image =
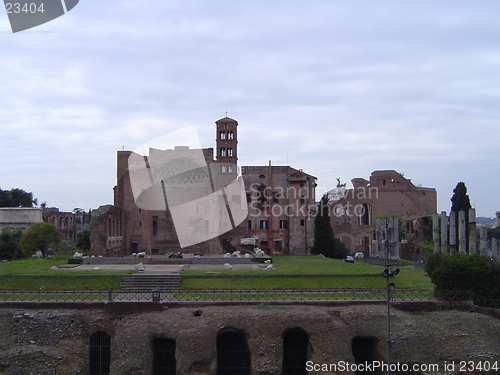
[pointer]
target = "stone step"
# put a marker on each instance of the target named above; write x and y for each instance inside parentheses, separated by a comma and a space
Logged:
(149, 285)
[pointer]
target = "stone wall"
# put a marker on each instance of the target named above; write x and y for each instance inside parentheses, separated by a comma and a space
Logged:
(16, 218)
(54, 339)
(63, 221)
(106, 231)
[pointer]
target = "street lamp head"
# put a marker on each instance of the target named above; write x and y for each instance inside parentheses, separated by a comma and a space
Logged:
(395, 272)
(385, 273)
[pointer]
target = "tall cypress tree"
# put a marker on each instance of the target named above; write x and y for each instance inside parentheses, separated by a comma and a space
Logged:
(460, 202)
(323, 232)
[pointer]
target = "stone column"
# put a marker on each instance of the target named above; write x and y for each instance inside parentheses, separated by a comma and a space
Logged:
(453, 232)
(395, 239)
(483, 241)
(472, 231)
(444, 233)
(435, 232)
(462, 236)
(379, 235)
(389, 238)
(495, 249)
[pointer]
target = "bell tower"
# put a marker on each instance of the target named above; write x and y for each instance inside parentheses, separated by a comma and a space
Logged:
(227, 140)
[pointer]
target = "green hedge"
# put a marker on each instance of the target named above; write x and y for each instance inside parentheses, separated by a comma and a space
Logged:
(473, 272)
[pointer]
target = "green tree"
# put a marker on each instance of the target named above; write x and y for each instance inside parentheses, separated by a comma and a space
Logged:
(65, 246)
(325, 242)
(460, 202)
(464, 272)
(83, 239)
(341, 250)
(9, 244)
(494, 233)
(38, 238)
(16, 198)
(79, 215)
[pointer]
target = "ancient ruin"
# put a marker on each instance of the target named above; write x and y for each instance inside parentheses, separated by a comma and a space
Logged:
(454, 233)
(127, 338)
(387, 193)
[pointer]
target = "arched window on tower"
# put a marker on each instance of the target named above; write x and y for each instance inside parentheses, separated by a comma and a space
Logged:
(222, 152)
(100, 353)
(222, 135)
(230, 134)
(230, 152)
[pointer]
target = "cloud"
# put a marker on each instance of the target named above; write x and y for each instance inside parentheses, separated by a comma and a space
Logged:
(338, 89)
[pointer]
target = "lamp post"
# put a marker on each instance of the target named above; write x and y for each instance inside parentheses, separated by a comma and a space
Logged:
(388, 236)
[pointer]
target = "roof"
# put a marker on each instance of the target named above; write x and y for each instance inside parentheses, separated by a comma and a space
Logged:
(226, 119)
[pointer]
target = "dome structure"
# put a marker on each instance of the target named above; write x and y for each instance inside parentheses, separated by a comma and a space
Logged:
(182, 171)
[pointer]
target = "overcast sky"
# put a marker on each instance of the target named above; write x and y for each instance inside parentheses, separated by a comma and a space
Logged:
(336, 88)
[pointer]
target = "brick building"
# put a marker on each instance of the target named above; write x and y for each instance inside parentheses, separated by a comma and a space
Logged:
(387, 193)
(142, 217)
(281, 205)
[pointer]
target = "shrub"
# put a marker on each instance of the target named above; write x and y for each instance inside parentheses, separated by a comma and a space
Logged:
(465, 272)
(63, 247)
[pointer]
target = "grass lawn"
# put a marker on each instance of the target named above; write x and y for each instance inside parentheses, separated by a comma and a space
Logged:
(409, 277)
(297, 264)
(41, 266)
(46, 283)
(35, 274)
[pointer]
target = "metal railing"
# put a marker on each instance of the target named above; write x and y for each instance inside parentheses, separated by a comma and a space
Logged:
(467, 295)
(55, 296)
(300, 295)
(232, 295)
(244, 295)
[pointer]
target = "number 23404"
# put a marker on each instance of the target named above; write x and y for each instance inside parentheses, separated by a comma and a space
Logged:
(27, 8)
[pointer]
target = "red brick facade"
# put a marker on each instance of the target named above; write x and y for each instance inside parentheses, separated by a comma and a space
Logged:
(387, 193)
(135, 229)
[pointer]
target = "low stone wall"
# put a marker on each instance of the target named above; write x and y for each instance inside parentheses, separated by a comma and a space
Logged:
(53, 338)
